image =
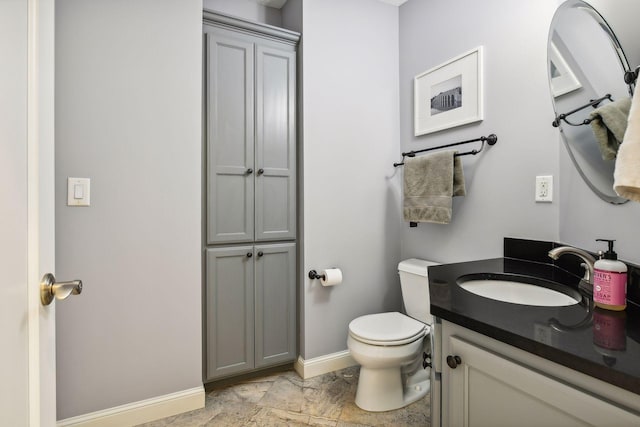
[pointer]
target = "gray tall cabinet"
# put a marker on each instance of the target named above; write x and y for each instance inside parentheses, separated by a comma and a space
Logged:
(250, 213)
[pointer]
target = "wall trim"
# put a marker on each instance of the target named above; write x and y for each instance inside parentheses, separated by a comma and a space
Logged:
(323, 364)
(142, 411)
(223, 20)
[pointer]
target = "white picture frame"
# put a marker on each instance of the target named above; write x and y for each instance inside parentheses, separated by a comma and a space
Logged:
(449, 94)
(563, 79)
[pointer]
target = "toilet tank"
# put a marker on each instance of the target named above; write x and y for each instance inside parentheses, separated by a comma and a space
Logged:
(414, 282)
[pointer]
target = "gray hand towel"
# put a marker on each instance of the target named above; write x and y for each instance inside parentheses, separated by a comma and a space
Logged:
(430, 182)
(609, 123)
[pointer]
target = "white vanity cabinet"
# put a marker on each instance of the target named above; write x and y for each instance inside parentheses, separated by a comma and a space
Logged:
(488, 383)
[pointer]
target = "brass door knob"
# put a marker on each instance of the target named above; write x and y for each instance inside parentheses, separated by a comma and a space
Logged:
(49, 289)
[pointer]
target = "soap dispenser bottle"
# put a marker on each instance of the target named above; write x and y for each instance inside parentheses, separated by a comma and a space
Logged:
(610, 280)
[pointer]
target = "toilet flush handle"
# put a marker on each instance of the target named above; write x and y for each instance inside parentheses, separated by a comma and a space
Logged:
(426, 360)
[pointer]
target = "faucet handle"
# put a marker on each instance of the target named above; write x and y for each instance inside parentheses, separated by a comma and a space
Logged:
(586, 283)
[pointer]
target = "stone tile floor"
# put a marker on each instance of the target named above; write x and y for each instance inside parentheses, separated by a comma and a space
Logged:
(285, 399)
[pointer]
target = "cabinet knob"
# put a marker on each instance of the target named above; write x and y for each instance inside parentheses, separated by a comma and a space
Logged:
(249, 171)
(453, 361)
(260, 171)
(249, 254)
(260, 254)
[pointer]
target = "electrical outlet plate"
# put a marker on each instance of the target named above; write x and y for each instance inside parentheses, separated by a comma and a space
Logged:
(544, 188)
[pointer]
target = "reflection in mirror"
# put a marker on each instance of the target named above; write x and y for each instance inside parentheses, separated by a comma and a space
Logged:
(586, 75)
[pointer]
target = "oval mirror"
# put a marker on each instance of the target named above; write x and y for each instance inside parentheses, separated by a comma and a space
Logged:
(586, 74)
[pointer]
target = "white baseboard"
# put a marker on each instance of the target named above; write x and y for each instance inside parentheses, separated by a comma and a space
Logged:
(323, 364)
(142, 411)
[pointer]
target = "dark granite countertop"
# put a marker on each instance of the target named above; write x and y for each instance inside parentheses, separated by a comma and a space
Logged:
(600, 343)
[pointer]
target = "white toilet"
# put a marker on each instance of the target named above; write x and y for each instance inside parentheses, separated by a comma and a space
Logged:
(389, 346)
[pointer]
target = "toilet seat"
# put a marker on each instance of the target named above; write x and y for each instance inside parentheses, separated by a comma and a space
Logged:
(387, 329)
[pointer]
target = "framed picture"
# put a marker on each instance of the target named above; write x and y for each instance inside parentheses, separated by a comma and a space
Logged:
(563, 80)
(449, 95)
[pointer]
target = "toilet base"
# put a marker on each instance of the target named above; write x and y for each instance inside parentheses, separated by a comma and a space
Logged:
(383, 389)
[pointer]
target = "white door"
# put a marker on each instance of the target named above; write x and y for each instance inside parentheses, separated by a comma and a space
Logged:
(27, 329)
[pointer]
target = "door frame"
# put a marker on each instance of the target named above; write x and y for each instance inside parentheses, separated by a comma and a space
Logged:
(40, 208)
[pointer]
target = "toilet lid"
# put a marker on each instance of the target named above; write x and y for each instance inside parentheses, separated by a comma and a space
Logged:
(387, 329)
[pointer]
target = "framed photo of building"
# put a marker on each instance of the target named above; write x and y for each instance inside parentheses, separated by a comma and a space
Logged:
(563, 80)
(449, 95)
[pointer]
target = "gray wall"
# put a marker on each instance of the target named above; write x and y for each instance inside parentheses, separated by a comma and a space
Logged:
(351, 198)
(292, 18)
(500, 181)
(128, 116)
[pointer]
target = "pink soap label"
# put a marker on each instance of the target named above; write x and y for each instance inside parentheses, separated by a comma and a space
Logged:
(609, 287)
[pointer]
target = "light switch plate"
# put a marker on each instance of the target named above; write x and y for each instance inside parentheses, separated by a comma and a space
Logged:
(78, 191)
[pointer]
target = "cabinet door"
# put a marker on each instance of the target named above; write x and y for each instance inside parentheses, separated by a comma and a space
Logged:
(275, 268)
(229, 139)
(486, 389)
(229, 311)
(275, 144)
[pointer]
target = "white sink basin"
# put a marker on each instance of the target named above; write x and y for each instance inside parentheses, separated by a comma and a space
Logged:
(517, 291)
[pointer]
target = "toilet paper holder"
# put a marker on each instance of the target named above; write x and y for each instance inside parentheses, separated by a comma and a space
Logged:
(314, 275)
(328, 277)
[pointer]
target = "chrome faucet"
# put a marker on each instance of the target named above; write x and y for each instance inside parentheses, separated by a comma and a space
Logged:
(586, 283)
